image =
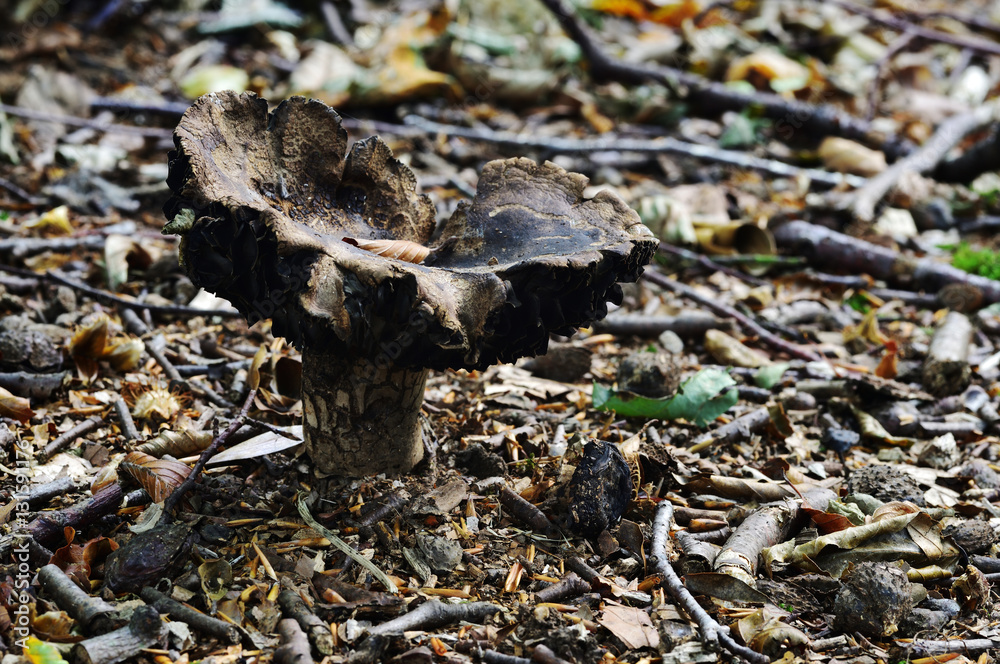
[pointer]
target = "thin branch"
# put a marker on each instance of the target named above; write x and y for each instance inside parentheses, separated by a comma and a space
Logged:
(21, 193)
(335, 25)
(125, 419)
(895, 47)
(969, 42)
(710, 264)
(930, 154)
(67, 438)
(102, 295)
(109, 127)
(188, 483)
(749, 326)
(822, 119)
(435, 613)
(712, 633)
(663, 145)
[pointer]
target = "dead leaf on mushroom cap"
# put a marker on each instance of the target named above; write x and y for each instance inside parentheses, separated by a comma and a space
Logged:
(272, 197)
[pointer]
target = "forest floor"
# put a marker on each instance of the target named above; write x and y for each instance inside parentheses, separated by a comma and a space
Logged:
(782, 445)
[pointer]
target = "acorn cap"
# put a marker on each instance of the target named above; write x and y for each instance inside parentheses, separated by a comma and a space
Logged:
(272, 216)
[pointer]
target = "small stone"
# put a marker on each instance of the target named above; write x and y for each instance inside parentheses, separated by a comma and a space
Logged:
(671, 342)
(981, 473)
(649, 374)
(840, 440)
(941, 453)
(800, 401)
(442, 554)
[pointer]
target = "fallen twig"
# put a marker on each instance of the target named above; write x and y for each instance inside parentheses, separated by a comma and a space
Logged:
(318, 631)
(710, 264)
(739, 428)
(717, 97)
(47, 527)
(895, 47)
(570, 586)
(823, 247)
(65, 439)
(164, 310)
(21, 193)
(334, 24)
(108, 127)
(687, 324)
(294, 648)
(946, 369)
(93, 613)
(662, 145)
(144, 630)
(40, 494)
(219, 629)
(527, 513)
(749, 326)
(434, 613)
(924, 159)
(932, 648)
(20, 247)
(178, 493)
(125, 420)
(969, 42)
(712, 633)
(982, 157)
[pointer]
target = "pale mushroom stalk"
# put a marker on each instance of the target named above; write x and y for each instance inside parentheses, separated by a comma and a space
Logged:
(335, 247)
(361, 414)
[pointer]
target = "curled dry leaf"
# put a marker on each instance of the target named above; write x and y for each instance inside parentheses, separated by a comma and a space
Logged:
(176, 443)
(159, 477)
(845, 156)
(15, 407)
(87, 345)
(125, 355)
(258, 360)
(90, 339)
(403, 250)
(105, 477)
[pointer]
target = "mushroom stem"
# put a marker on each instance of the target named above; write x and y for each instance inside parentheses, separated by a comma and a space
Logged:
(361, 417)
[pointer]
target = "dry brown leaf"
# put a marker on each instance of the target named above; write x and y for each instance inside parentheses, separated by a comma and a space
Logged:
(125, 355)
(106, 476)
(159, 477)
(176, 443)
(89, 340)
(844, 156)
(403, 250)
(730, 351)
(18, 408)
(769, 65)
(258, 360)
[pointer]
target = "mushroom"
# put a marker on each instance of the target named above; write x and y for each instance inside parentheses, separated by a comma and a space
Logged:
(276, 220)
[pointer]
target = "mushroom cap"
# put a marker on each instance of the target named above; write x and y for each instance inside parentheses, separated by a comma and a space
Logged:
(264, 203)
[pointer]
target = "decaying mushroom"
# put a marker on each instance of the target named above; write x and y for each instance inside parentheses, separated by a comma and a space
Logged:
(277, 221)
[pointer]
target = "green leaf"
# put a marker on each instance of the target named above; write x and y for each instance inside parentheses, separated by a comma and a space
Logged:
(767, 377)
(699, 399)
